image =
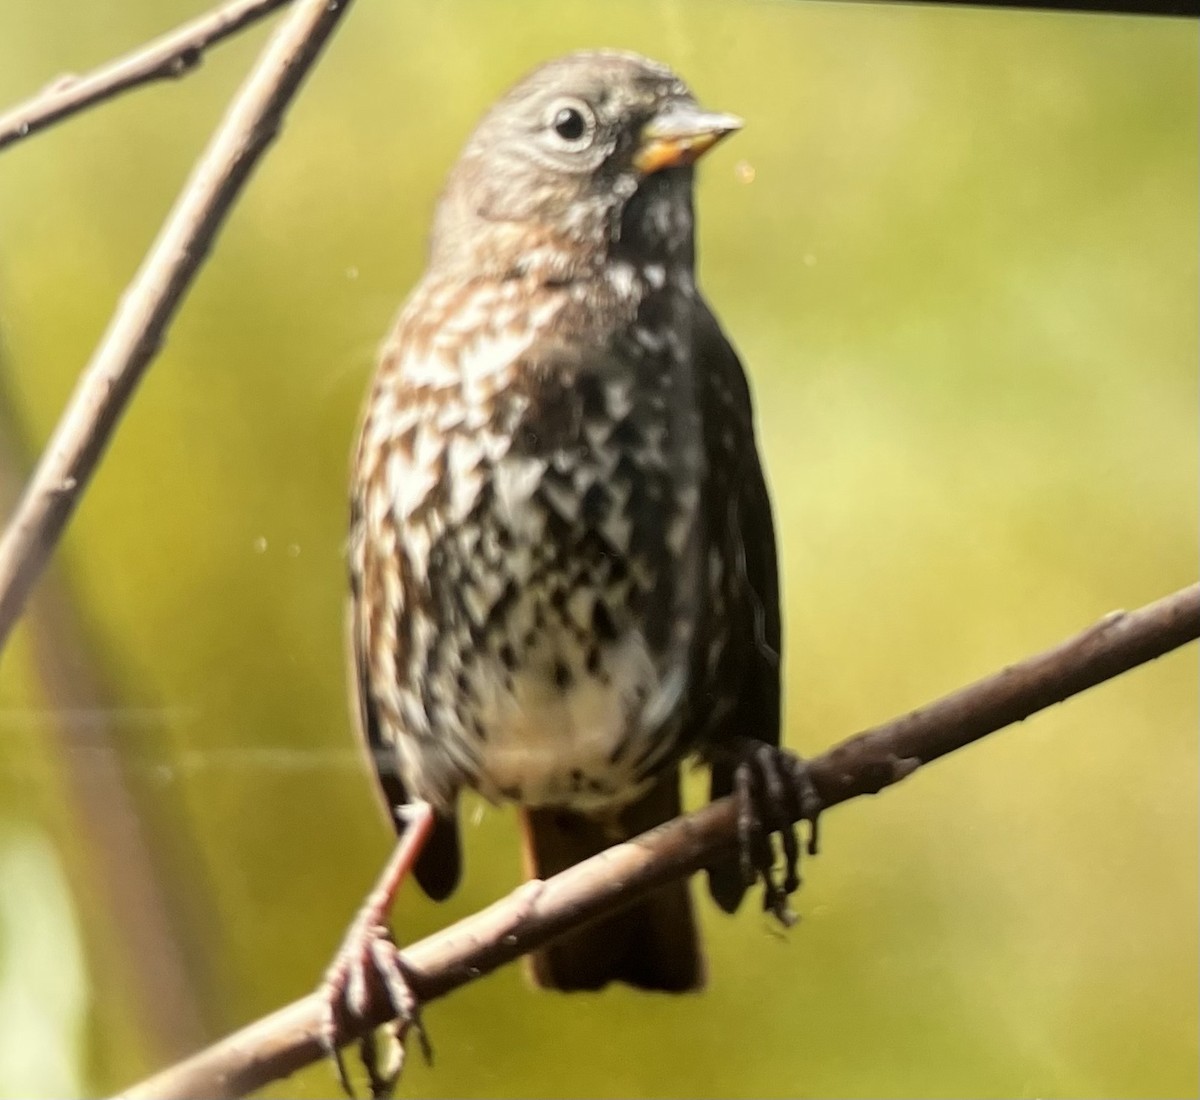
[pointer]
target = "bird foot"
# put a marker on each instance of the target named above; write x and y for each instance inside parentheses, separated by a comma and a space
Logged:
(369, 959)
(369, 964)
(773, 790)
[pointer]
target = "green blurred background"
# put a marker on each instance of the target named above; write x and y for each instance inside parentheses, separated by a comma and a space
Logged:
(958, 252)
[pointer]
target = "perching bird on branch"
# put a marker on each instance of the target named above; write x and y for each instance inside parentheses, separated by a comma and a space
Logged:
(562, 554)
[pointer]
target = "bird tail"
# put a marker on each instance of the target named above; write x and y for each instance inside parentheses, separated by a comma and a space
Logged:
(654, 944)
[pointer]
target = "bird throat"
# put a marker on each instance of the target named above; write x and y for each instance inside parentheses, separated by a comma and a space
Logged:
(657, 224)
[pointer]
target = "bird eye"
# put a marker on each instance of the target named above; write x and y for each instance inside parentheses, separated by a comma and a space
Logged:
(573, 123)
(569, 124)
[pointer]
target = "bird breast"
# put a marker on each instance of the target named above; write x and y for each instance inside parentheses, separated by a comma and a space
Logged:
(544, 524)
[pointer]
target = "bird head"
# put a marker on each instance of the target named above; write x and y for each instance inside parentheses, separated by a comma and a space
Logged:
(587, 159)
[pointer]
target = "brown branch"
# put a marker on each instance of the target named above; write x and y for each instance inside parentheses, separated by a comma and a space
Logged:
(283, 1042)
(146, 309)
(167, 58)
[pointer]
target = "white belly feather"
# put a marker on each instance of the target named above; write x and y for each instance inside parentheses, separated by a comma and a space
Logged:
(553, 746)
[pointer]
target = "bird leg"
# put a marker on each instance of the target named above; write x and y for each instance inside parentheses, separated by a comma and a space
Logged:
(773, 790)
(369, 957)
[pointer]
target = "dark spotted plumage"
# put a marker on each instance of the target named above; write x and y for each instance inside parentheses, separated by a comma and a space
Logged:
(562, 555)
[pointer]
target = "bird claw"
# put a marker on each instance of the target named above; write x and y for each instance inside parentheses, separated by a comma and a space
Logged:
(773, 790)
(368, 958)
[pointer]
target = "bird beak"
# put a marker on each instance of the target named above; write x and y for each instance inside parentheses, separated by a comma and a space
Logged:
(680, 136)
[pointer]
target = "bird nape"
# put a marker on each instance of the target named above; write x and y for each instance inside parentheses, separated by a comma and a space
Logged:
(562, 554)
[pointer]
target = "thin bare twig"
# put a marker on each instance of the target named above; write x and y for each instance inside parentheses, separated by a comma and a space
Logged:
(283, 1042)
(149, 304)
(167, 58)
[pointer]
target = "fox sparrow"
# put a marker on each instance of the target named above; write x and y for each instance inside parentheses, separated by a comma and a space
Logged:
(562, 555)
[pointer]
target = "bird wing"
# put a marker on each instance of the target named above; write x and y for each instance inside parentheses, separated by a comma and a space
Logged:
(740, 487)
(439, 864)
